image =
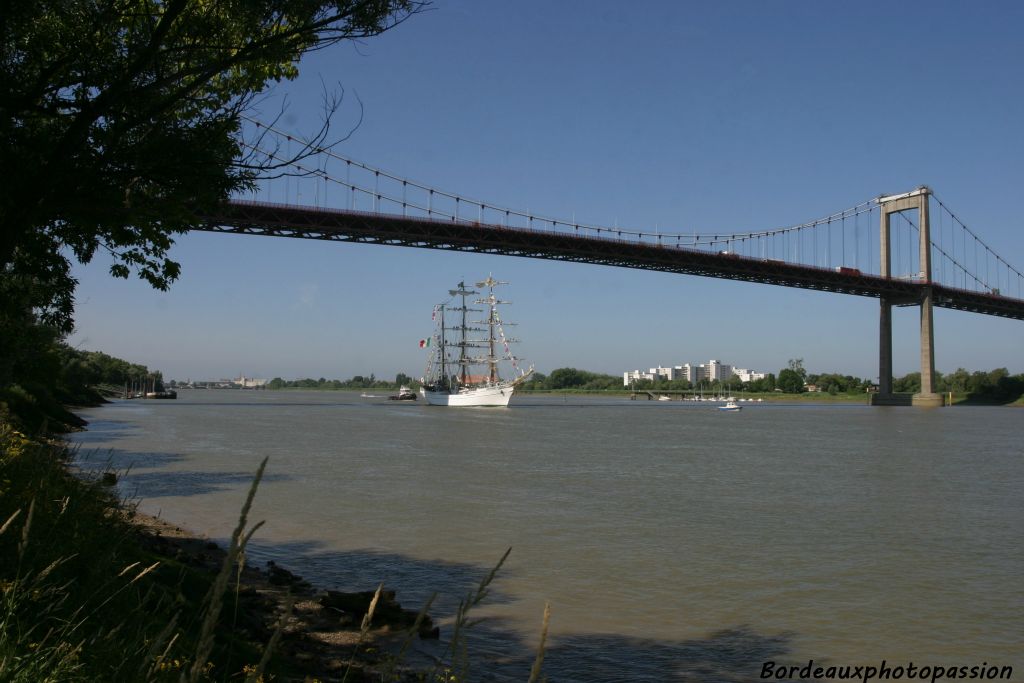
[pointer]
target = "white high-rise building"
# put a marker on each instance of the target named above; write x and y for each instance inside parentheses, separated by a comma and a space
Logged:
(631, 376)
(664, 373)
(748, 375)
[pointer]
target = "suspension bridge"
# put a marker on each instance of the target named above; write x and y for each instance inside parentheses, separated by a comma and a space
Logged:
(906, 249)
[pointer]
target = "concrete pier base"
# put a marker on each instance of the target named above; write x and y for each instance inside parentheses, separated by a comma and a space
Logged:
(928, 400)
(892, 399)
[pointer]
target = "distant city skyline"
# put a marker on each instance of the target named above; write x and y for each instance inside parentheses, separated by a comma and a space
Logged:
(713, 370)
(712, 118)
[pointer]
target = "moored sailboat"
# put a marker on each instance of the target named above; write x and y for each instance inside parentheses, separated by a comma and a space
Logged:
(450, 380)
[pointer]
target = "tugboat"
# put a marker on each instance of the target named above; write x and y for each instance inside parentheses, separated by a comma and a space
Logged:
(448, 380)
(404, 394)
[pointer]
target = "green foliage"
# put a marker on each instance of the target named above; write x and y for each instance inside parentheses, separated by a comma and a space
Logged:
(835, 383)
(790, 381)
(994, 386)
(41, 375)
(357, 382)
(80, 598)
(909, 383)
(765, 384)
(571, 378)
(121, 120)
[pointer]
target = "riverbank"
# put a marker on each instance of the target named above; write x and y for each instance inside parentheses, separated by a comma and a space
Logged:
(318, 641)
(94, 590)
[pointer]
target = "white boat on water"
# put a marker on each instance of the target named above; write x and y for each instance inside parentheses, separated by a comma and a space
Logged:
(450, 380)
(731, 406)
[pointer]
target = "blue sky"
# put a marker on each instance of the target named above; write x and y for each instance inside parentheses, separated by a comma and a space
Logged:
(708, 117)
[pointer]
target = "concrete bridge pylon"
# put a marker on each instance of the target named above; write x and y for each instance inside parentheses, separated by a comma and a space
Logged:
(927, 397)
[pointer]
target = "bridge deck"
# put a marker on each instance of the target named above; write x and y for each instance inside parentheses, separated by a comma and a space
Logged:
(255, 218)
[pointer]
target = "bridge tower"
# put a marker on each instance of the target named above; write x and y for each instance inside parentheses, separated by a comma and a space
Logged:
(908, 201)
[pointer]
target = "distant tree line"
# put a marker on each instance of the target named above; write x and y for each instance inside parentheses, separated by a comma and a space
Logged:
(40, 375)
(571, 378)
(996, 385)
(357, 382)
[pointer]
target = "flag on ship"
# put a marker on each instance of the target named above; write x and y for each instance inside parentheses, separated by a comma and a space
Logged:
(424, 343)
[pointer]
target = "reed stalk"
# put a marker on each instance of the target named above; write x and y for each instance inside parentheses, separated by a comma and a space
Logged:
(215, 597)
(538, 662)
(364, 630)
(411, 633)
(457, 647)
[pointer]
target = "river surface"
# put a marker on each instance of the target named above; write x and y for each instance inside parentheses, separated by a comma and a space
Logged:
(672, 541)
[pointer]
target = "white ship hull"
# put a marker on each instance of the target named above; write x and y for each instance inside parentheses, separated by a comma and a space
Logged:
(495, 395)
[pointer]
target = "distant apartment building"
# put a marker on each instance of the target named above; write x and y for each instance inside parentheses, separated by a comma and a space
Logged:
(711, 371)
(631, 376)
(664, 373)
(685, 371)
(716, 370)
(747, 375)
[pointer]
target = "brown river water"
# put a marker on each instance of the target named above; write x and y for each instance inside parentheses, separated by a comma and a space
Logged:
(672, 540)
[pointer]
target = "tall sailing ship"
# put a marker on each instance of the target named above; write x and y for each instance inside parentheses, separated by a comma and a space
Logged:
(463, 367)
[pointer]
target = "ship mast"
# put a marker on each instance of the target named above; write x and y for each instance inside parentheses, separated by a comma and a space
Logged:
(490, 341)
(492, 322)
(464, 360)
(443, 377)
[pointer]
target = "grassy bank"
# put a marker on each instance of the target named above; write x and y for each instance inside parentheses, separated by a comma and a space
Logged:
(84, 598)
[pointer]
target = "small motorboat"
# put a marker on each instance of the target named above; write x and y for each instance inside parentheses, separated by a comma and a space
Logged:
(731, 406)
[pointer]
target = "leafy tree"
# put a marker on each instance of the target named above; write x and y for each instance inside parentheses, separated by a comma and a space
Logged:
(121, 120)
(765, 384)
(790, 381)
(566, 378)
(835, 383)
(957, 381)
(797, 365)
(909, 383)
(537, 382)
(572, 378)
(1008, 387)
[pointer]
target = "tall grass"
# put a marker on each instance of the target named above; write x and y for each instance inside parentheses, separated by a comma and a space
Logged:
(82, 600)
